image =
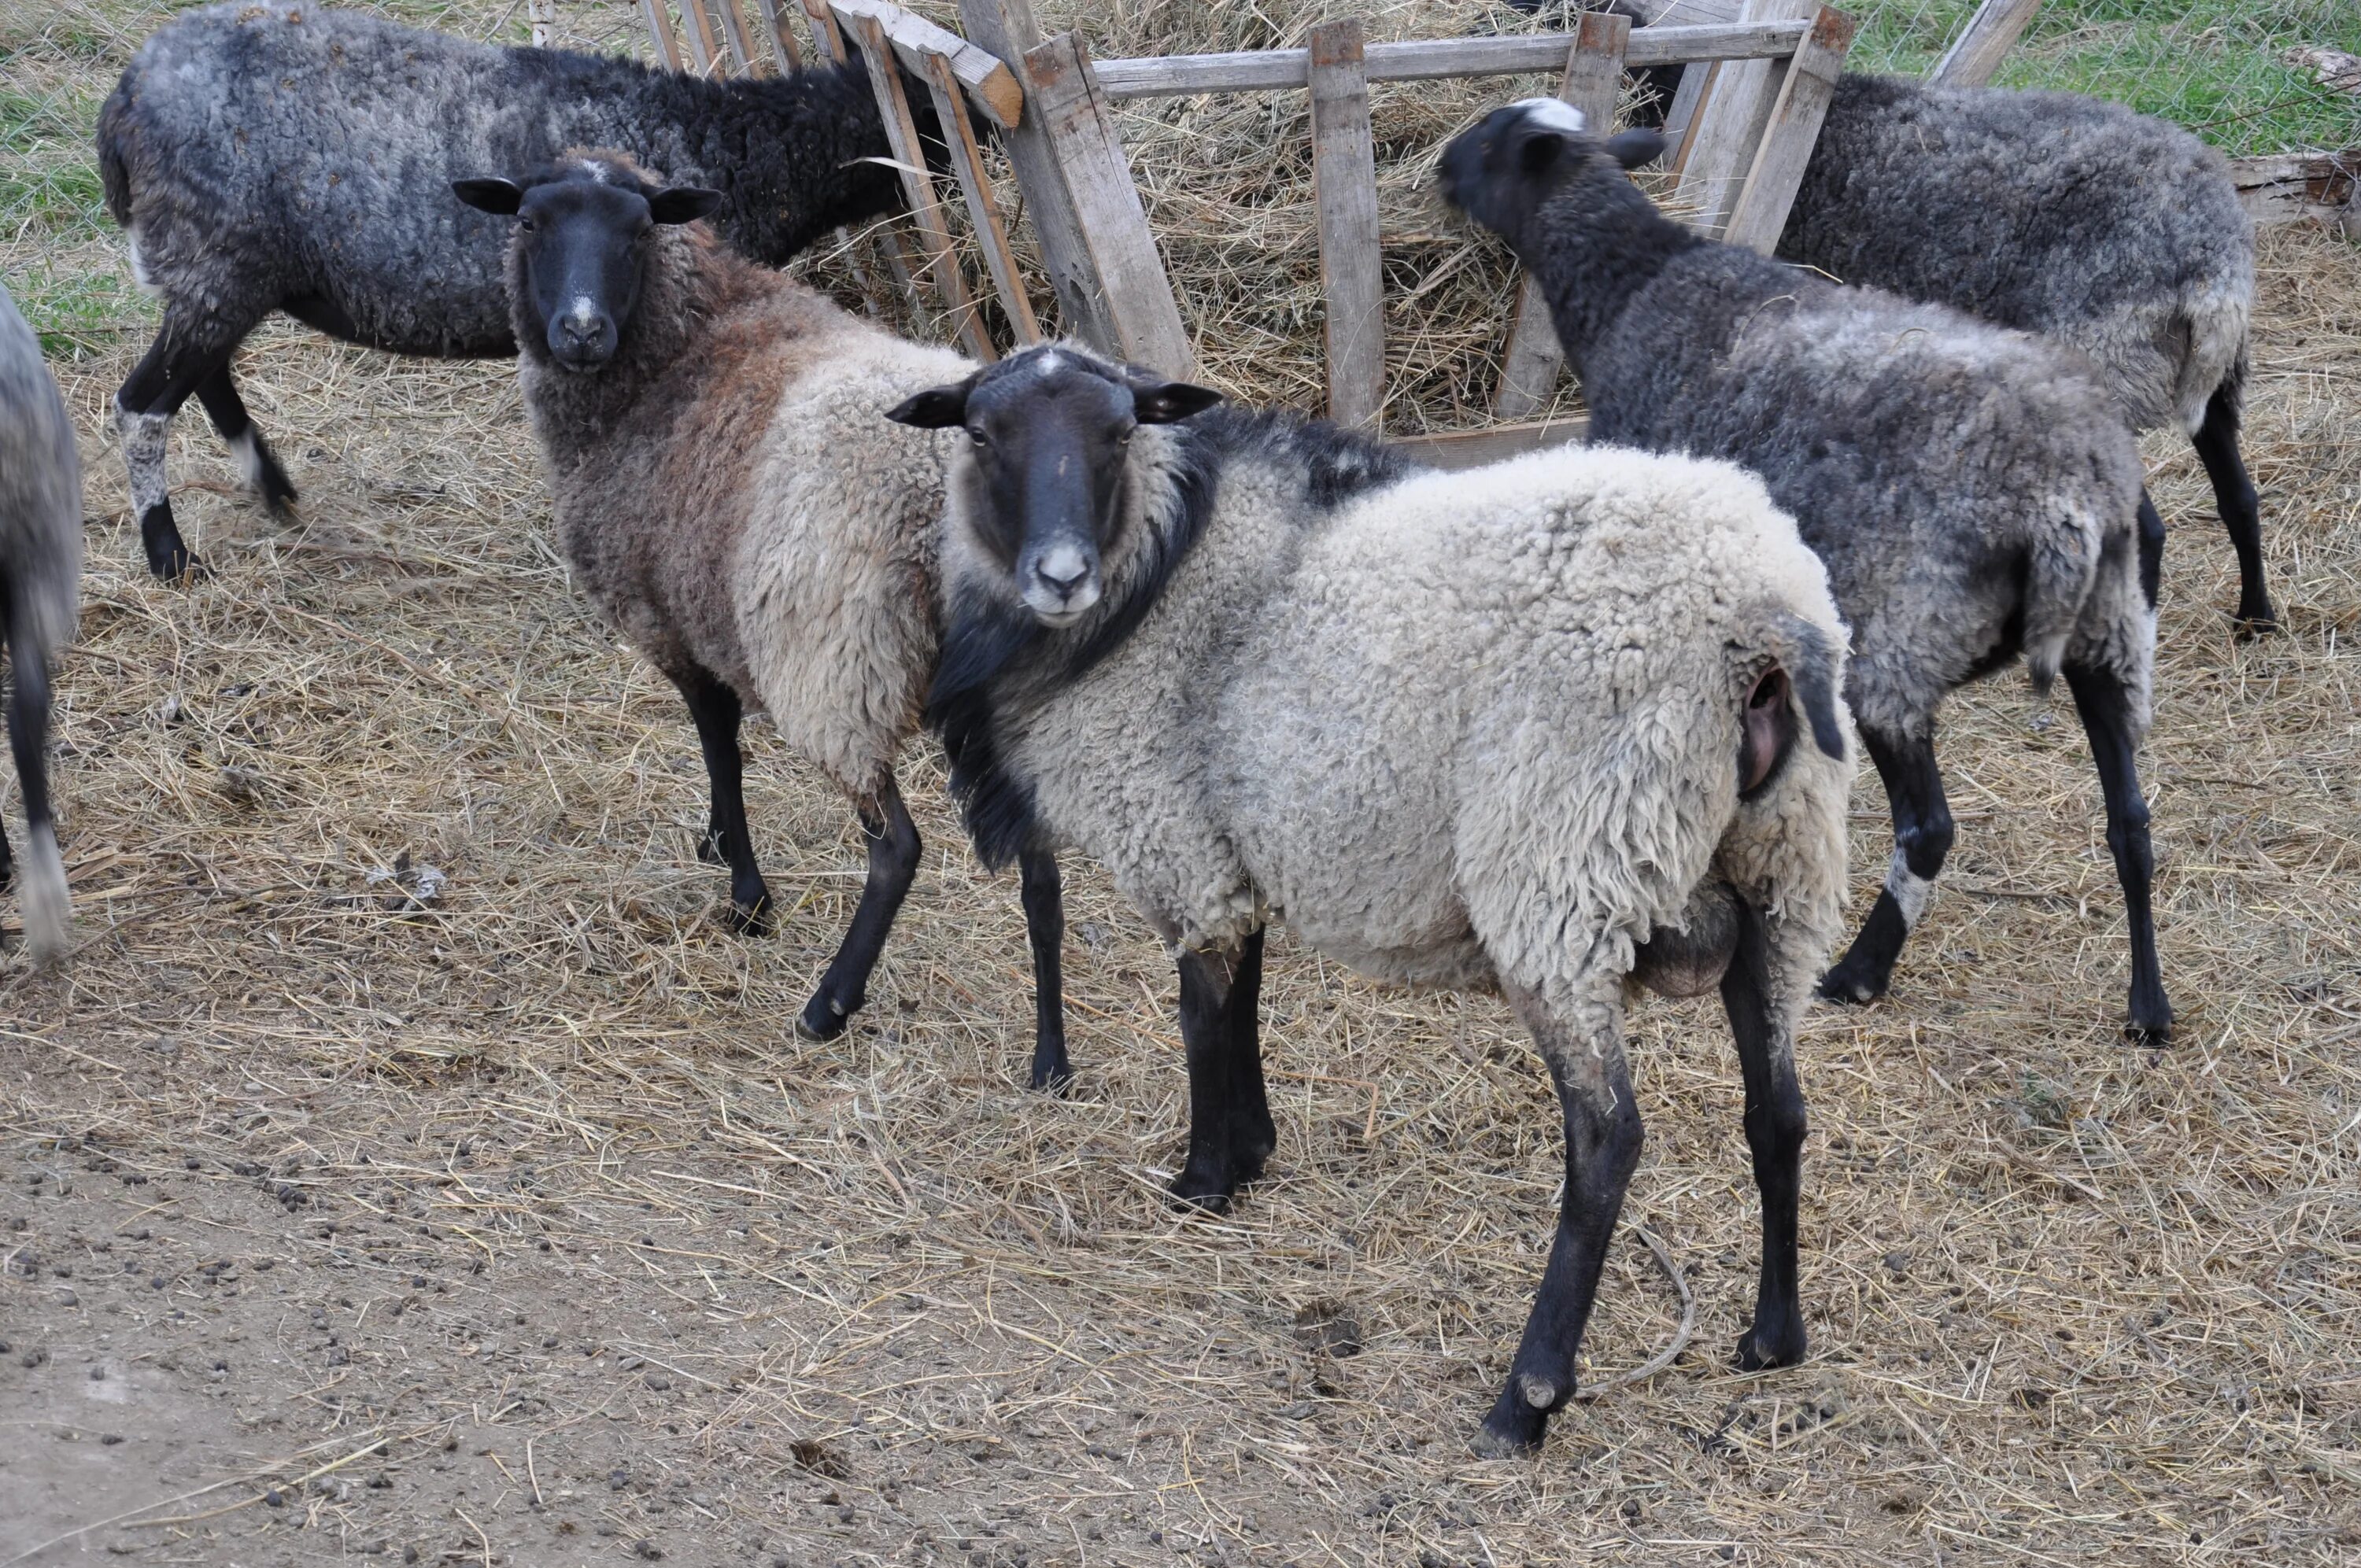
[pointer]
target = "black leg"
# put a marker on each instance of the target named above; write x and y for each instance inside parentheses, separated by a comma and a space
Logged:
(1775, 1134)
(1922, 838)
(715, 709)
(2151, 549)
(42, 891)
(1230, 1130)
(1045, 929)
(185, 357)
(2105, 708)
(2234, 497)
(1603, 1135)
(218, 392)
(893, 862)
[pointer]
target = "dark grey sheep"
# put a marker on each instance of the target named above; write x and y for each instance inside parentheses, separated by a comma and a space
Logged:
(1973, 491)
(41, 575)
(296, 157)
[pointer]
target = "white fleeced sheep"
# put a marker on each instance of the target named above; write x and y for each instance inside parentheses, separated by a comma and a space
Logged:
(730, 496)
(1548, 728)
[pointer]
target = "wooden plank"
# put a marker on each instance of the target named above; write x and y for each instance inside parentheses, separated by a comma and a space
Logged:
(660, 33)
(735, 35)
(1983, 43)
(981, 74)
(782, 37)
(1423, 59)
(1496, 444)
(1594, 77)
(1345, 185)
(1120, 267)
(1680, 113)
(983, 214)
(702, 47)
(828, 39)
(2325, 187)
(1810, 87)
(902, 135)
(1729, 122)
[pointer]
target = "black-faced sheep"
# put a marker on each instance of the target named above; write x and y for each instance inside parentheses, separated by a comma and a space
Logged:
(1489, 730)
(291, 157)
(1973, 491)
(40, 574)
(729, 497)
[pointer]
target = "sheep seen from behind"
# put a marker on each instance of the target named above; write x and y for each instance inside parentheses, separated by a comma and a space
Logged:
(40, 574)
(1548, 728)
(729, 496)
(1973, 492)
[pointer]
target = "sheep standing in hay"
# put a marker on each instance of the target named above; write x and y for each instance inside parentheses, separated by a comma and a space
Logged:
(1973, 491)
(294, 158)
(729, 496)
(40, 574)
(1496, 730)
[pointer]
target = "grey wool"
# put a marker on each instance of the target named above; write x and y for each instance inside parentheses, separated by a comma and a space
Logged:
(292, 156)
(40, 578)
(1481, 731)
(730, 496)
(1974, 493)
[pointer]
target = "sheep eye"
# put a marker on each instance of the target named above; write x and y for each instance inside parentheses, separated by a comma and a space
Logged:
(975, 433)
(525, 225)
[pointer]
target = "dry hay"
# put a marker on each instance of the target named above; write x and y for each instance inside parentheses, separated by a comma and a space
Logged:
(2069, 1302)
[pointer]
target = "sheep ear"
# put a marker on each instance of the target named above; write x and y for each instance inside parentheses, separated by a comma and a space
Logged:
(1163, 403)
(936, 408)
(1633, 148)
(682, 204)
(501, 197)
(1542, 149)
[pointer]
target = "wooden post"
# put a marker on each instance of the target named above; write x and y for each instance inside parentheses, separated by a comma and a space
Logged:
(660, 33)
(1983, 43)
(975, 184)
(1794, 128)
(782, 37)
(1728, 124)
(735, 34)
(702, 47)
(902, 135)
(1345, 183)
(543, 14)
(828, 41)
(1594, 75)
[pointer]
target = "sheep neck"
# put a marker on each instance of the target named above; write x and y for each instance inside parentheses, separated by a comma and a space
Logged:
(790, 154)
(1594, 244)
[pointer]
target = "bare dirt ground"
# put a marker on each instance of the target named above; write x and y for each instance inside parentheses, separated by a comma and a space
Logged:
(513, 1225)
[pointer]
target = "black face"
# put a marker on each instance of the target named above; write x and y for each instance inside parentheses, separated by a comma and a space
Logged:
(1050, 429)
(582, 232)
(1498, 170)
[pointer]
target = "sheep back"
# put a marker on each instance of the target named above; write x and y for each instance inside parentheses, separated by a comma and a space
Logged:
(40, 491)
(2050, 212)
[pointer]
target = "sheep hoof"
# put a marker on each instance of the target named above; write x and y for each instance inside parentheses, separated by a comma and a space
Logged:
(2254, 620)
(754, 921)
(1780, 1343)
(179, 565)
(1052, 1078)
(1837, 985)
(1192, 1189)
(823, 1019)
(1514, 1430)
(2149, 1035)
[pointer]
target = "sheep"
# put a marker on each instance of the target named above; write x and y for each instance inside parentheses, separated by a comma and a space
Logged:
(292, 156)
(40, 575)
(728, 496)
(1489, 730)
(1972, 492)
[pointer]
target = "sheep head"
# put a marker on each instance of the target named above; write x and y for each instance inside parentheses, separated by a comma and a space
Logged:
(1502, 168)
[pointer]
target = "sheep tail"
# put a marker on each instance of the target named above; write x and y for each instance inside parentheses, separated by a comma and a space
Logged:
(2217, 326)
(114, 171)
(2062, 563)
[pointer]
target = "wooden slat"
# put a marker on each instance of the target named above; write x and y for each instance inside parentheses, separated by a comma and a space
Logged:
(2290, 187)
(1983, 43)
(902, 135)
(1497, 444)
(1680, 113)
(660, 33)
(735, 35)
(975, 184)
(1729, 122)
(984, 79)
(703, 48)
(1794, 128)
(1421, 59)
(1345, 185)
(1594, 76)
(782, 37)
(1120, 267)
(828, 39)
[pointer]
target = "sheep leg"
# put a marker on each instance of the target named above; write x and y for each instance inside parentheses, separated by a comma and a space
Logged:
(182, 359)
(2234, 497)
(893, 862)
(1775, 1135)
(44, 895)
(1922, 838)
(715, 710)
(1045, 929)
(2107, 711)
(1603, 1133)
(2151, 549)
(1230, 1130)
(218, 392)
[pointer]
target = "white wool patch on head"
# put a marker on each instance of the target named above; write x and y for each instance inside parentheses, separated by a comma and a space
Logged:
(599, 172)
(1049, 364)
(1554, 112)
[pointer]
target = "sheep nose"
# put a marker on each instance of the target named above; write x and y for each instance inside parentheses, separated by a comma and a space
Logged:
(1062, 570)
(581, 335)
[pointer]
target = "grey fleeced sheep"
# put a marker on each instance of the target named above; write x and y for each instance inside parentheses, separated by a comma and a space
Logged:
(1973, 491)
(291, 157)
(41, 576)
(729, 495)
(1548, 728)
